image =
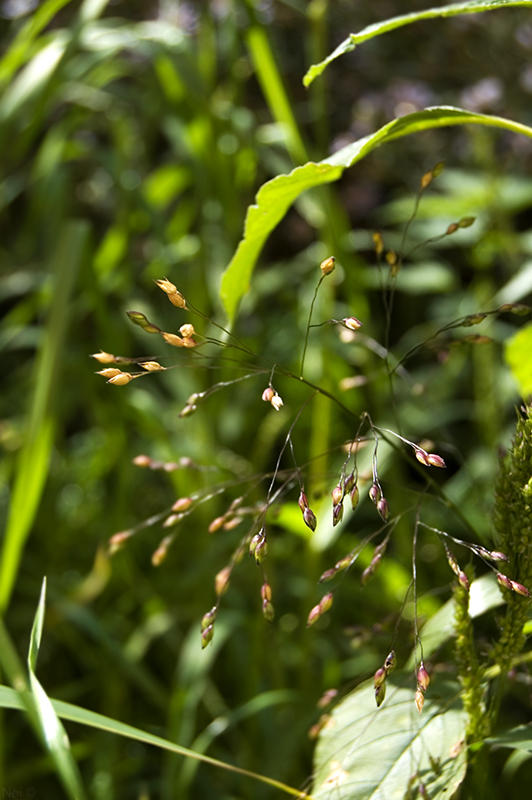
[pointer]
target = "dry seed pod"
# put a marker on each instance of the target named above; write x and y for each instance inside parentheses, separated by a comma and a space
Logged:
(419, 700)
(453, 227)
(142, 461)
(216, 524)
(166, 286)
(189, 342)
(349, 483)
(354, 496)
(473, 319)
(266, 591)
(221, 581)
(103, 357)
(177, 299)
(187, 330)
(352, 323)
(328, 575)
(183, 504)
(121, 379)
(173, 339)
(426, 180)
(109, 372)
(328, 265)
(151, 366)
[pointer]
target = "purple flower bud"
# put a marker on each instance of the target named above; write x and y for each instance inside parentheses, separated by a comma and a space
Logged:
(390, 662)
(463, 580)
(267, 394)
(496, 555)
(367, 575)
(423, 678)
(422, 457)
(380, 694)
(303, 502)
(436, 460)
(375, 493)
(504, 581)
(338, 513)
(337, 494)
(328, 575)
(379, 677)
(208, 618)
(383, 509)
(520, 589)
(206, 636)
(349, 483)
(309, 518)
(314, 615)
(352, 323)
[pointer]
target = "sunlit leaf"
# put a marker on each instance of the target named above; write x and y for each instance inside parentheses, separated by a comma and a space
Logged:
(379, 28)
(517, 356)
(276, 196)
(365, 752)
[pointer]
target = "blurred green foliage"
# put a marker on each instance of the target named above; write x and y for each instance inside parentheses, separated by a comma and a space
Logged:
(133, 140)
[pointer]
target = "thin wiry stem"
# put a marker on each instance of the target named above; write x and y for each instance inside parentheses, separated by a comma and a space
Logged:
(308, 326)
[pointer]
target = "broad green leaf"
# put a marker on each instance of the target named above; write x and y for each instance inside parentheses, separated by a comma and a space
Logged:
(276, 196)
(519, 738)
(9, 698)
(365, 753)
(379, 28)
(517, 355)
(53, 734)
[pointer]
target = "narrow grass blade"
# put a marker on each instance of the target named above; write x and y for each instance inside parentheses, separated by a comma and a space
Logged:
(52, 731)
(9, 698)
(378, 28)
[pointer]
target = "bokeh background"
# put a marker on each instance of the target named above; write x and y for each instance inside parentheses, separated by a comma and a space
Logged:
(133, 138)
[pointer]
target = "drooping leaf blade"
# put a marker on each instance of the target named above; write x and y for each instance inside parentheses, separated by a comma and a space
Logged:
(9, 698)
(378, 28)
(53, 734)
(519, 738)
(276, 196)
(365, 753)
